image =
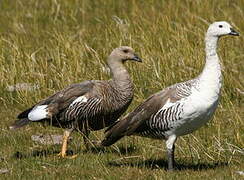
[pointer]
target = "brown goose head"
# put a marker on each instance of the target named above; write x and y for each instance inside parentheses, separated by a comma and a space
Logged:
(123, 54)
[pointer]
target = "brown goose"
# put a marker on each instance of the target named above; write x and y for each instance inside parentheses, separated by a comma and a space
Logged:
(87, 106)
(181, 108)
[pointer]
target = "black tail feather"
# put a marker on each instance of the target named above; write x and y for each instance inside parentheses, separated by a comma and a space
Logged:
(111, 126)
(19, 123)
(110, 140)
(115, 132)
(24, 114)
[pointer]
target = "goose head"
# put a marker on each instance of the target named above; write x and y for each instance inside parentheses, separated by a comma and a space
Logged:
(123, 54)
(221, 28)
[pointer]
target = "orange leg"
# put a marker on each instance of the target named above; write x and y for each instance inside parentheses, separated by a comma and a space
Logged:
(64, 143)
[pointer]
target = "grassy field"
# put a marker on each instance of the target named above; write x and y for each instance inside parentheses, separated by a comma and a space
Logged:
(54, 43)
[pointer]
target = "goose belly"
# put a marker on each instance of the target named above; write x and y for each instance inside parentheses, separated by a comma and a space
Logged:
(195, 116)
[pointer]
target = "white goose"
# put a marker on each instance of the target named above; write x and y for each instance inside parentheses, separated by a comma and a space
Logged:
(181, 108)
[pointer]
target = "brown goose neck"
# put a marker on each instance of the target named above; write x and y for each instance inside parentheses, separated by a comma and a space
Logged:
(120, 76)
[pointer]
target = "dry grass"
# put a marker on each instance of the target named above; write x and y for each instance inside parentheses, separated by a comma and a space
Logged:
(56, 43)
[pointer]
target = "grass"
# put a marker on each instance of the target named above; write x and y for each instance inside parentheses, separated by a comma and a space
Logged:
(57, 43)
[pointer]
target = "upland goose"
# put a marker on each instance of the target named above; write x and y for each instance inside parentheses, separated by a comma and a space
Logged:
(87, 106)
(178, 109)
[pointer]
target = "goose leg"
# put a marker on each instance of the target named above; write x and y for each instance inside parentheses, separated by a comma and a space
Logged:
(171, 158)
(170, 143)
(86, 138)
(65, 142)
(89, 143)
(85, 133)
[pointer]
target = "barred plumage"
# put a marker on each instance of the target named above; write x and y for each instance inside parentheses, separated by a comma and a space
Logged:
(90, 105)
(179, 109)
(169, 115)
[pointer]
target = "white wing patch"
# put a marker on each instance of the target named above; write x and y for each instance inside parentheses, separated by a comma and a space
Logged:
(81, 99)
(38, 113)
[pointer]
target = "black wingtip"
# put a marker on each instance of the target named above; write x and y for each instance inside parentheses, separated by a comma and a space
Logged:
(24, 114)
(19, 123)
(108, 141)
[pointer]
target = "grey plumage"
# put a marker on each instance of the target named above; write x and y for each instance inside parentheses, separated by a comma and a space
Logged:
(90, 105)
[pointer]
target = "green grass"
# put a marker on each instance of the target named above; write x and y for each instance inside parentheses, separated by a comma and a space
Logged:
(57, 43)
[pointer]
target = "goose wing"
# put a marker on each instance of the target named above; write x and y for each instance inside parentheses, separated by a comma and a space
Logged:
(56, 103)
(136, 120)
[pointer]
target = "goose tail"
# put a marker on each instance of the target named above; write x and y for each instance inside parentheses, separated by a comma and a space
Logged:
(19, 123)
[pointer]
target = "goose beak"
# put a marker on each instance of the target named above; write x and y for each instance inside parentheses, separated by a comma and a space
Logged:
(136, 58)
(233, 32)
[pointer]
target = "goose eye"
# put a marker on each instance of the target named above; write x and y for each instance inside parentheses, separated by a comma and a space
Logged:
(220, 26)
(125, 51)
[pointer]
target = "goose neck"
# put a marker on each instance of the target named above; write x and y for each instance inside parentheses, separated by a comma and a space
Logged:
(211, 45)
(211, 74)
(120, 76)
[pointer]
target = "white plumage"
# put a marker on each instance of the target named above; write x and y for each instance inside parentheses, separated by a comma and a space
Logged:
(181, 108)
(38, 113)
(81, 99)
